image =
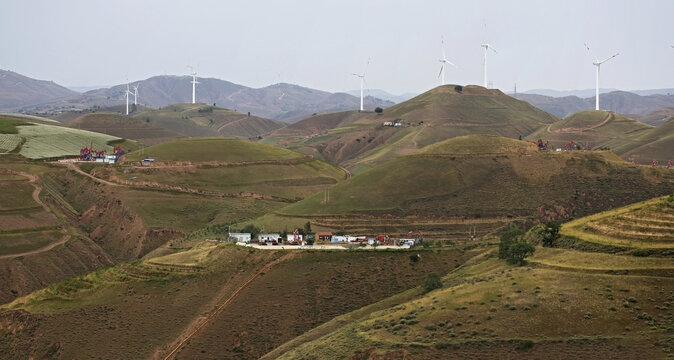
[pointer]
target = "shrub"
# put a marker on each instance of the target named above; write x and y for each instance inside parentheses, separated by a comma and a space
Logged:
(550, 233)
(641, 252)
(432, 282)
(458, 88)
(378, 110)
(518, 251)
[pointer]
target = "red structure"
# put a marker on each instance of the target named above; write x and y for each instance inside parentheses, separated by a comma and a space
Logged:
(569, 145)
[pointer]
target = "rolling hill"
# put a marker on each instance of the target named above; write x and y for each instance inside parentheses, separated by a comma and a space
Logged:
(360, 140)
(484, 179)
(657, 117)
(621, 102)
(36, 139)
(198, 120)
(624, 136)
(18, 91)
(282, 101)
(124, 127)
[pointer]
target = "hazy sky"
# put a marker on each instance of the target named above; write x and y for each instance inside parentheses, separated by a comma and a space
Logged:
(320, 43)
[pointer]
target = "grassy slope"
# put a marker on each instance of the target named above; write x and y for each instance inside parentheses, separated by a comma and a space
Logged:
(204, 120)
(648, 225)
(488, 185)
(434, 116)
(124, 127)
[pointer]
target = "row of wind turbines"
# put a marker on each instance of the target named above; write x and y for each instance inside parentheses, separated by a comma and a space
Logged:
(487, 47)
(135, 91)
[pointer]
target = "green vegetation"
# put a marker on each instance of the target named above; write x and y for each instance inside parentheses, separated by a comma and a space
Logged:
(8, 126)
(550, 233)
(432, 282)
(123, 127)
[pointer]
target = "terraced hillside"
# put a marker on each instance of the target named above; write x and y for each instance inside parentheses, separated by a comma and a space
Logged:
(35, 139)
(563, 303)
(648, 226)
(197, 120)
(124, 127)
(360, 141)
(624, 136)
(204, 301)
(482, 178)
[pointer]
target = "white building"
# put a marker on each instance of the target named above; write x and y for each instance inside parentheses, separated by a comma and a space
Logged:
(239, 237)
(268, 237)
(292, 238)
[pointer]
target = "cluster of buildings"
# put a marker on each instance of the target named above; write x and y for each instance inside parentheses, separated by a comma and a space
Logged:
(323, 237)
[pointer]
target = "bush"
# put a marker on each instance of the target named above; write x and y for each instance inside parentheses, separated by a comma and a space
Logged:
(378, 110)
(432, 282)
(550, 233)
(458, 88)
(641, 252)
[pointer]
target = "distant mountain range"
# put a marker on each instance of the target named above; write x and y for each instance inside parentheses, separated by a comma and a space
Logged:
(590, 92)
(621, 102)
(284, 102)
(384, 95)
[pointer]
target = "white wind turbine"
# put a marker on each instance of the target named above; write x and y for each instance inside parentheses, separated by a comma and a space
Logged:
(362, 82)
(486, 49)
(598, 63)
(194, 85)
(135, 94)
(127, 93)
(443, 61)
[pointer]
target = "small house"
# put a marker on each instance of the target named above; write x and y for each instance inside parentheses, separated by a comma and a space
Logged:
(338, 238)
(324, 236)
(239, 237)
(294, 238)
(264, 238)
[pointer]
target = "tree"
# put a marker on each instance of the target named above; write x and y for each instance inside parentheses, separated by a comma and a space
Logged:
(458, 88)
(518, 251)
(431, 282)
(378, 110)
(550, 233)
(508, 238)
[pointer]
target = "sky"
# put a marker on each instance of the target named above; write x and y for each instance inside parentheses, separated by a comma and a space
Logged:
(319, 44)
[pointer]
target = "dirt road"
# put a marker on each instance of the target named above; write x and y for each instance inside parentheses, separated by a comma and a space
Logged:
(199, 324)
(609, 116)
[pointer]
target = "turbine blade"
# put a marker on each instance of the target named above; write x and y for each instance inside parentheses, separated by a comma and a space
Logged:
(443, 47)
(609, 58)
(442, 67)
(450, 63)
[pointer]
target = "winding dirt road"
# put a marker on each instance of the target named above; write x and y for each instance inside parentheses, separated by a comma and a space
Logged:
(609, 116)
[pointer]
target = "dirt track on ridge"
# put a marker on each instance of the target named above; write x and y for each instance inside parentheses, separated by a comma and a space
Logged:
(609, 116)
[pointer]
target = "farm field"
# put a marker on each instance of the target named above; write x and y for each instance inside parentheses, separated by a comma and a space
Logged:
(124, 127)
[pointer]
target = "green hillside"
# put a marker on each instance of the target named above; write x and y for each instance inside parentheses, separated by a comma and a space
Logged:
(198, 120)
(615, 305)
(39, 140)
(124, 127)
(360, 140)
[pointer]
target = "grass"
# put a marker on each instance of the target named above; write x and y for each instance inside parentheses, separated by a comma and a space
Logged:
(27, 241)
(16, 195)
(213, 149)
(655, 217)
(8, 126)
(597, 261)
(123, 127)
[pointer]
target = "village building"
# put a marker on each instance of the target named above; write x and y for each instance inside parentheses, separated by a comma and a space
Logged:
(263, 238)
(324, 236)
(239, 237)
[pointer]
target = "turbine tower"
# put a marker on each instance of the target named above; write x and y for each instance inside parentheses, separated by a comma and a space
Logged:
(486, 49)
(135, 94)
(194, 84)
(362, 82)
(598, 63)
(443, 61)
(127, 93)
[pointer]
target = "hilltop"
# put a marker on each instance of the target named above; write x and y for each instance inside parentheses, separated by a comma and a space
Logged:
(18, 91)
(198, 120)
(361, 140)
(624, 136)
(657, 117)
(124, 127)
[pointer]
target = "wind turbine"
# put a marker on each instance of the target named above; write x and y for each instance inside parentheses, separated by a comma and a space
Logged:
(127, 93)
(486, 49)
(362, 82)
(598, 63)
(194, 85)
(135, 94)
(443, 61)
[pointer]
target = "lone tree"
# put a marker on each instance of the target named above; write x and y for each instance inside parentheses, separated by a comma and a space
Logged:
(432, 282)
(378, 110)
(307, 228)
(518, 251)
(550, 233)
(508, 238)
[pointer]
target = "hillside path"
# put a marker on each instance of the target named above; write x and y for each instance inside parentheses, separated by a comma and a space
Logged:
(196, 326)
(609, 116)
(33, 179)
(74, 167)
